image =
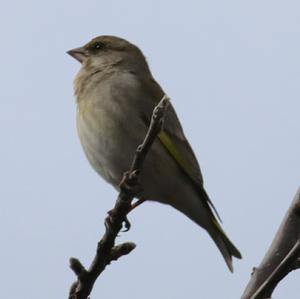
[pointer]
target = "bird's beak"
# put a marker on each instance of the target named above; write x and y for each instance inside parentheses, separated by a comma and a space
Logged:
(79, 54)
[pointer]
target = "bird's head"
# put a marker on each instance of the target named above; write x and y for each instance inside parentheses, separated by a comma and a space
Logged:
(106, 50)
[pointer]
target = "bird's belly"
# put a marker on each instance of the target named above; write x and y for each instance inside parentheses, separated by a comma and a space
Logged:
(108, 142)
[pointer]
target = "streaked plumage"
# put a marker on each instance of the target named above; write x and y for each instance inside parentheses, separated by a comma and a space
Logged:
(116, 94)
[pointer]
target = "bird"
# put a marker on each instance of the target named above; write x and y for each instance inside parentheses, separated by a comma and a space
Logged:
(116, 94)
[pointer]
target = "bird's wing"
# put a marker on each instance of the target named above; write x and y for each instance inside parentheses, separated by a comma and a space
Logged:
(171, 136)
(174, 141)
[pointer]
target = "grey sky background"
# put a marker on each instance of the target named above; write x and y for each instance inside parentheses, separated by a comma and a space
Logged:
(232, 69)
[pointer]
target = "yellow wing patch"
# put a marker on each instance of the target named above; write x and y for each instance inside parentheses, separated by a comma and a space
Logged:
(179, 157)
(177, 152)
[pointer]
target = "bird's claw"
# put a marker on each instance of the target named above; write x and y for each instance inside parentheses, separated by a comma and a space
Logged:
(127, 225)
(130, 183)
(110, 220)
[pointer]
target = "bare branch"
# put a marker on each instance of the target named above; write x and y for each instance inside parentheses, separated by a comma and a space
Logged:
(106, 249)
(281, 258)
(296, 265)
(284, 268)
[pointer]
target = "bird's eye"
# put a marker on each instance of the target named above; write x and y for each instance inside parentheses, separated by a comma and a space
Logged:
(98, 46)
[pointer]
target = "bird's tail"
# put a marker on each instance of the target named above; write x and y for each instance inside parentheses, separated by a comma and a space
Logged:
(217, 233)
(200, 209)
(226, 247)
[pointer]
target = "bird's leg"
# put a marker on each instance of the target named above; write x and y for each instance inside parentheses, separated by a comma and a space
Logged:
(129, 184)
(137, 203)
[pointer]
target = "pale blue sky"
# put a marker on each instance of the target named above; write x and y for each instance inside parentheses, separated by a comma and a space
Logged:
(232, 69)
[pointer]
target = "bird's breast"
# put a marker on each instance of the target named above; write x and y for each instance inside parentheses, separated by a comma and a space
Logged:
(109, 129)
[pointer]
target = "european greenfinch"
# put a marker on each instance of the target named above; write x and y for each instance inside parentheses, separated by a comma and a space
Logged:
(116, 94)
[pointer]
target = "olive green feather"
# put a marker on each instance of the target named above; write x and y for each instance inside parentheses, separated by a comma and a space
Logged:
(184, 157)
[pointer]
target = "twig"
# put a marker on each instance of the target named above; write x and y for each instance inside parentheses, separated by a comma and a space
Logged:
(106, 249)
(281, 258)
(284, 268)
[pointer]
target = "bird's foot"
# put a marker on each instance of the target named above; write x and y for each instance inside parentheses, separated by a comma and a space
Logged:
(137, 203)
(127, 225)
(109, 221)
(130, 183)
(129, 180)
